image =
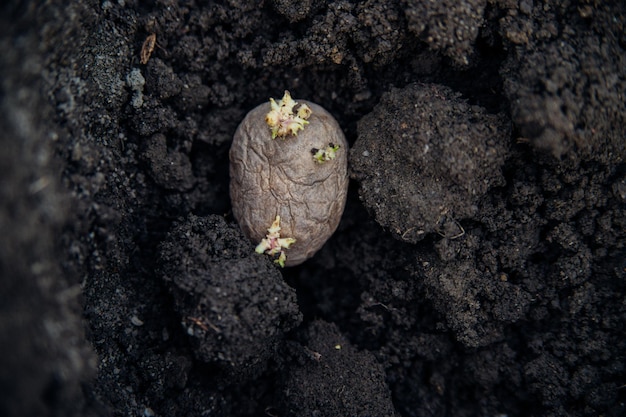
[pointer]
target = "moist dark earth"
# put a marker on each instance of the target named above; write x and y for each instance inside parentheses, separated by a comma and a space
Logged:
(479, 268)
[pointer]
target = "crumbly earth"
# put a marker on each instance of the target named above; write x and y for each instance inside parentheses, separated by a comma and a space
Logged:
(325, 361)
(120, 256)
(235, 312)
(420, 174)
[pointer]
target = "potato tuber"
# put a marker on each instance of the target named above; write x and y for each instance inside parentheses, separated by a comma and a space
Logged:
(277, 173)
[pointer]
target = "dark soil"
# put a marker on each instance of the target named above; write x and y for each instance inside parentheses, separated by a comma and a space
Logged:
(479, 267)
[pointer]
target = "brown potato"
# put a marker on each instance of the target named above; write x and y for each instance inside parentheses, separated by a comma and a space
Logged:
(286, 177)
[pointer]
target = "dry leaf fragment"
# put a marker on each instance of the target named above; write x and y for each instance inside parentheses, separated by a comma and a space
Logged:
(147, 48)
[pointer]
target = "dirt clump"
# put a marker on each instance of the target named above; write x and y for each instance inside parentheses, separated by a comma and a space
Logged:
(424, 158)
(234, 312)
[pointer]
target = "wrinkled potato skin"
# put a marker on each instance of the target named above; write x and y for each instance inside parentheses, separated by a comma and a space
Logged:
(270, 177)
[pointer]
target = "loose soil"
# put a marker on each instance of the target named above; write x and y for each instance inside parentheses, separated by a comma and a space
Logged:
(479, 267)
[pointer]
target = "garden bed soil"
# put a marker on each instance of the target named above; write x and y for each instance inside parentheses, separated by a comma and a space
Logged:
(479, 267)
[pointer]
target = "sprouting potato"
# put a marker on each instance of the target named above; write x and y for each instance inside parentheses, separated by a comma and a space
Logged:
(288, 178)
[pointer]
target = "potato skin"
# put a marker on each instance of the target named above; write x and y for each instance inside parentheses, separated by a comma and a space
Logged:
(270, 177)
